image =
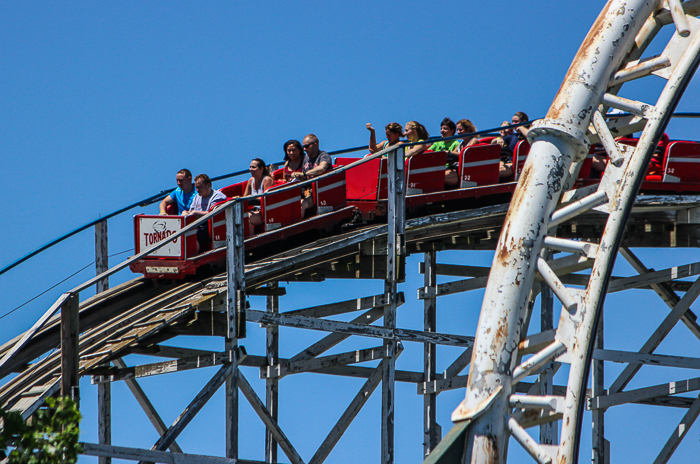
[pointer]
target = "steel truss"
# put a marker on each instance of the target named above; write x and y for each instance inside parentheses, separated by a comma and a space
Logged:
(552, 240)
(611, 55)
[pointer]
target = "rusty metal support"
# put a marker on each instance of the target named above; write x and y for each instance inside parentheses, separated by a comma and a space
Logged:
(548, 431)
(557, 141)
(70, 362)
(395, 257)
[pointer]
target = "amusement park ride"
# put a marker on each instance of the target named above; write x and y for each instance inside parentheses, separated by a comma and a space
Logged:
(556, 231)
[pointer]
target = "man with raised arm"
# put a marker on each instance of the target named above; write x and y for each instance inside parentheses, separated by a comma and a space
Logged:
(182, 195)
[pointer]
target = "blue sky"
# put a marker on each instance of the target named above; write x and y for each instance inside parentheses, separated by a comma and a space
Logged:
(103, 102)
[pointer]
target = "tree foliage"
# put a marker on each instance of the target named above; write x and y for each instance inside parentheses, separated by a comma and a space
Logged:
(50, 436)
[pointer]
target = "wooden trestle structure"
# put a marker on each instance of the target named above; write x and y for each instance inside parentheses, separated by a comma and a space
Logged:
(138, 316)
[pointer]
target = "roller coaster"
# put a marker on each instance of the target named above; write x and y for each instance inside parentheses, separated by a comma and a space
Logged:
(556, 233)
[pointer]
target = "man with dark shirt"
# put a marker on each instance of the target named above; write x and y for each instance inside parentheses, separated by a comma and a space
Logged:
(316, 162)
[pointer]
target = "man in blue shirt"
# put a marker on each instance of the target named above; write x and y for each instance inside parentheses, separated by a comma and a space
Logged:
(182, 195)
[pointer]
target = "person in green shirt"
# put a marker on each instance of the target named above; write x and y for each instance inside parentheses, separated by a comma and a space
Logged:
(447, 129)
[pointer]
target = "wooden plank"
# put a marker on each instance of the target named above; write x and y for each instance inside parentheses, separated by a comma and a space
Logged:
(359, 329)
(267, 419)
(147, 407)
(348, 416)
(655, 277)
(341, 359)
(27, 336)
(644, 358)
(183, 364)
(456, 270)
(193, 408)
(679, 433)
(101, 262)
(637, 395)
(329, 341)
(137, 454)
(342, 307)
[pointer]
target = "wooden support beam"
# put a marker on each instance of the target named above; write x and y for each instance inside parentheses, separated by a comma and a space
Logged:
(359, 329)
(657, 337)
(643, 358)
(193, 408)
(104, 418)
(101, 255)
(458, 364)
(665, 291)
(560, 266)
(647, 393)
(231, 345)
(267, 419)
(272, 385)
(235, 272)
(184, 364)
(431, 435)
(342, 359)
(147, 407)
(342, 307)
(348, 416)
(329, 341)
(679, 433)
(654, 277)
(455, 270)
(137, 454)
(70, 358)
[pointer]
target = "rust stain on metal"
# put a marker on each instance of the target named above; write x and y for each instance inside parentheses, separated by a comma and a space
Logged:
(576, 71)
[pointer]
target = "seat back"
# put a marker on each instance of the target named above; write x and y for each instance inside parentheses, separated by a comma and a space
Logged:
(361, 182)
(329, 193)
(218, 222)
(478, 165)
(281, 208)
(682, 162)
(522, 149)
(277, 174)
(425, 173)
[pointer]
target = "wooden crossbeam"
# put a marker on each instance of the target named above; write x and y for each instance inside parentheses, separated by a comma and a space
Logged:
(348, 416)
(193, 408)
(137, 454)
(645, 358)
(347, 306)
(147, 407)
(358, 329)
(167, 367)
(639, 394)
(267, 419)
(457, 270)
(560, 266)
(342, 359)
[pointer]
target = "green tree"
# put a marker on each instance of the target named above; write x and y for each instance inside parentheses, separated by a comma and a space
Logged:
(50, 436)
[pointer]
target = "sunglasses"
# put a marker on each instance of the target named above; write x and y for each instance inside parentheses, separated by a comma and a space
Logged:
(307, 145)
